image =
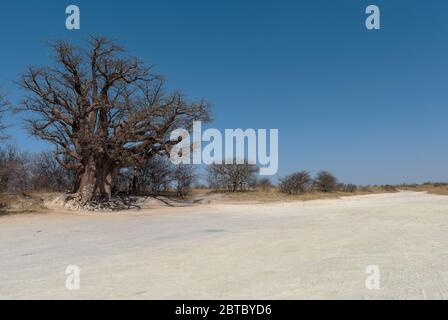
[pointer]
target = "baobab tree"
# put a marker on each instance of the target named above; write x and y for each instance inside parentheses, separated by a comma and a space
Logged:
(104, 110)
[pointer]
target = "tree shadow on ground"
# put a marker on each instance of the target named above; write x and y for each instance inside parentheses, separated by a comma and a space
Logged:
(167, 198)
(128, 202)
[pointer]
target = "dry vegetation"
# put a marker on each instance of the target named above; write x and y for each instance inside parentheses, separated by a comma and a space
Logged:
(11, 204)
(432, 188)
(275, 194)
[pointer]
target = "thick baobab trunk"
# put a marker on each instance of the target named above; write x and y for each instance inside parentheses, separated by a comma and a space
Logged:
(95, 182)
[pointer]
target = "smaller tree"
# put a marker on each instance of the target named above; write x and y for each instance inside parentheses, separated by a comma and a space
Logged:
(232, 176)
(154, 176)
(47, 174)
(183, 178)
(14, 171)
(351, 188)
(326, 182)
(264, 184)
(122, 181)
(296, 183)
(216, 176)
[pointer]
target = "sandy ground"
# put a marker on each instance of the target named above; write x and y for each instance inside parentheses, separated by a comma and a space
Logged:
(304, 250)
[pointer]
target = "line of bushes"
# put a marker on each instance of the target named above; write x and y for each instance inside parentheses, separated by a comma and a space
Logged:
(302, 182)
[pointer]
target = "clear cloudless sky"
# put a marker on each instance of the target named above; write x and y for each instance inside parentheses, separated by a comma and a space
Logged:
(370, 106)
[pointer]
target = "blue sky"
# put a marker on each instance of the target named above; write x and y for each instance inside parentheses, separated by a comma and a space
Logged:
(370, 106)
